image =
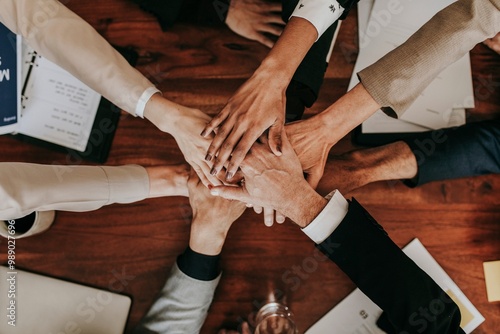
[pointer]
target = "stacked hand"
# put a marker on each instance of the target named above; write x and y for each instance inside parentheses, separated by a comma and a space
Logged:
(212, 218)
(275, 182)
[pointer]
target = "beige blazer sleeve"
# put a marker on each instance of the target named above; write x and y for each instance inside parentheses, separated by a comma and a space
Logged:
(67, 40)
(398, 78)
(25, 188)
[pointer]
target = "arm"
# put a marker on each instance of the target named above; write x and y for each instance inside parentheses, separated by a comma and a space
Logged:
(395, 80)
(184, 301)
(67, 40)
(25, 188)
(349, 236)
(259, 104)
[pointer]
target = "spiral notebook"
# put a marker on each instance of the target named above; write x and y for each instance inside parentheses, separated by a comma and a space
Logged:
(45, 105)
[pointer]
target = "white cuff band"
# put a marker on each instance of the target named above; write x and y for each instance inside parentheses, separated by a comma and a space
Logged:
(320, 13)
(143, 100)
(328, 219)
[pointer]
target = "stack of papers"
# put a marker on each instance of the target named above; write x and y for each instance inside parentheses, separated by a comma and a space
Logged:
(383, 26)
(357, 314)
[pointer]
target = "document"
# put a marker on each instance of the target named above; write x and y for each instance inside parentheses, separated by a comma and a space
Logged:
(390, 23)
(358, 314)
(57, 107)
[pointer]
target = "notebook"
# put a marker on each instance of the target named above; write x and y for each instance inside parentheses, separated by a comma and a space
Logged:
(45, 305)
(45, 105)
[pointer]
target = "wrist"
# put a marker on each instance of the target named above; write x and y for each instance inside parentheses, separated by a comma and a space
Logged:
(305, 205)
(162, 113)
(346, 113)
(206, 240)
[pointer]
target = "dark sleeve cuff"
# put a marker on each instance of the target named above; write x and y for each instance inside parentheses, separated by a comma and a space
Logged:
(205, 12)
(199, 266)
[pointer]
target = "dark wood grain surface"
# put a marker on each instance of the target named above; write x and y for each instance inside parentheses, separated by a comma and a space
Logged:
(458, 221)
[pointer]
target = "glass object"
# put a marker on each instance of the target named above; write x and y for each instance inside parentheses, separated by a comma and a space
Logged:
(275, 318)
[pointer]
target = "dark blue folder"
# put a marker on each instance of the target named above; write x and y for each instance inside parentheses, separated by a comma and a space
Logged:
(8, 77)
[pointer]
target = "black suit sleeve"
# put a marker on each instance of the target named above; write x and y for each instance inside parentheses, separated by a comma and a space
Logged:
(412, 301)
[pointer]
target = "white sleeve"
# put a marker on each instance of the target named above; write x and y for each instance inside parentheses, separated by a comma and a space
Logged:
(328, 219)
(321, 13)
(64, 38)
(25, 188)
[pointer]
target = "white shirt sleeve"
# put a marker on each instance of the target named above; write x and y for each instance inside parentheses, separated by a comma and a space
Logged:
(328, 219)
(321, 13)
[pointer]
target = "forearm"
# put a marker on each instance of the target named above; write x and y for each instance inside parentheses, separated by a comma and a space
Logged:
(67, 40)
(288, 52)
(345, 114)
(182, 305)
(362, 249)
(25, 188)
(398, 78)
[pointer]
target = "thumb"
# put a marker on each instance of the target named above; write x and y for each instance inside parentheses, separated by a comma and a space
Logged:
(230, 192)
(275, 142)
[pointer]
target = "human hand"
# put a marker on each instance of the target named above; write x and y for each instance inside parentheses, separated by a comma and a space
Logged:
(185, 125)
(494, 43)
(310, 147)
(252, 18)
(212, 218)
(275, 182)
(257, 106)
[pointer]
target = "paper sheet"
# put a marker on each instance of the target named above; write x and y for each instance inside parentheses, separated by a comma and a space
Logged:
(58, 108)
(388, 26)
(358, 314)
(492, 277)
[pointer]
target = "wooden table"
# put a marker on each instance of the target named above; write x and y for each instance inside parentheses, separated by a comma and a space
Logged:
(458, 221)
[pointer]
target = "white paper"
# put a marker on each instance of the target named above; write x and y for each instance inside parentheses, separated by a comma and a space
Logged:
(358, 314)
(388, 27)
(58, 108)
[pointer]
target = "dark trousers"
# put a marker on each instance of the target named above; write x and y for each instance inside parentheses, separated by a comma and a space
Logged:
(468, 150)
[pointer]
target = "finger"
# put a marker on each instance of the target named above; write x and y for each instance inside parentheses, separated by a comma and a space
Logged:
(241, 150)
(268, 216)
(215, 122)
(275, 142)
(280, 218)
(230, 192)
(257, 209)
(264, 40)
(226, 150)
(272, 29)
(219, 138)
(211, 179)
(275, 7)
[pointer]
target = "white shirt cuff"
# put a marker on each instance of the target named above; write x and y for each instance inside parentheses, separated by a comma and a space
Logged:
(328, 219)
(143, 100)
(321, 13)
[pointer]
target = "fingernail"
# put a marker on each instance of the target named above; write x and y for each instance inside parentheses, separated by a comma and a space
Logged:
(208, 157)
(214, 192)
(213, 171)
(268, 222)
(229, 176)
(203, 133)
